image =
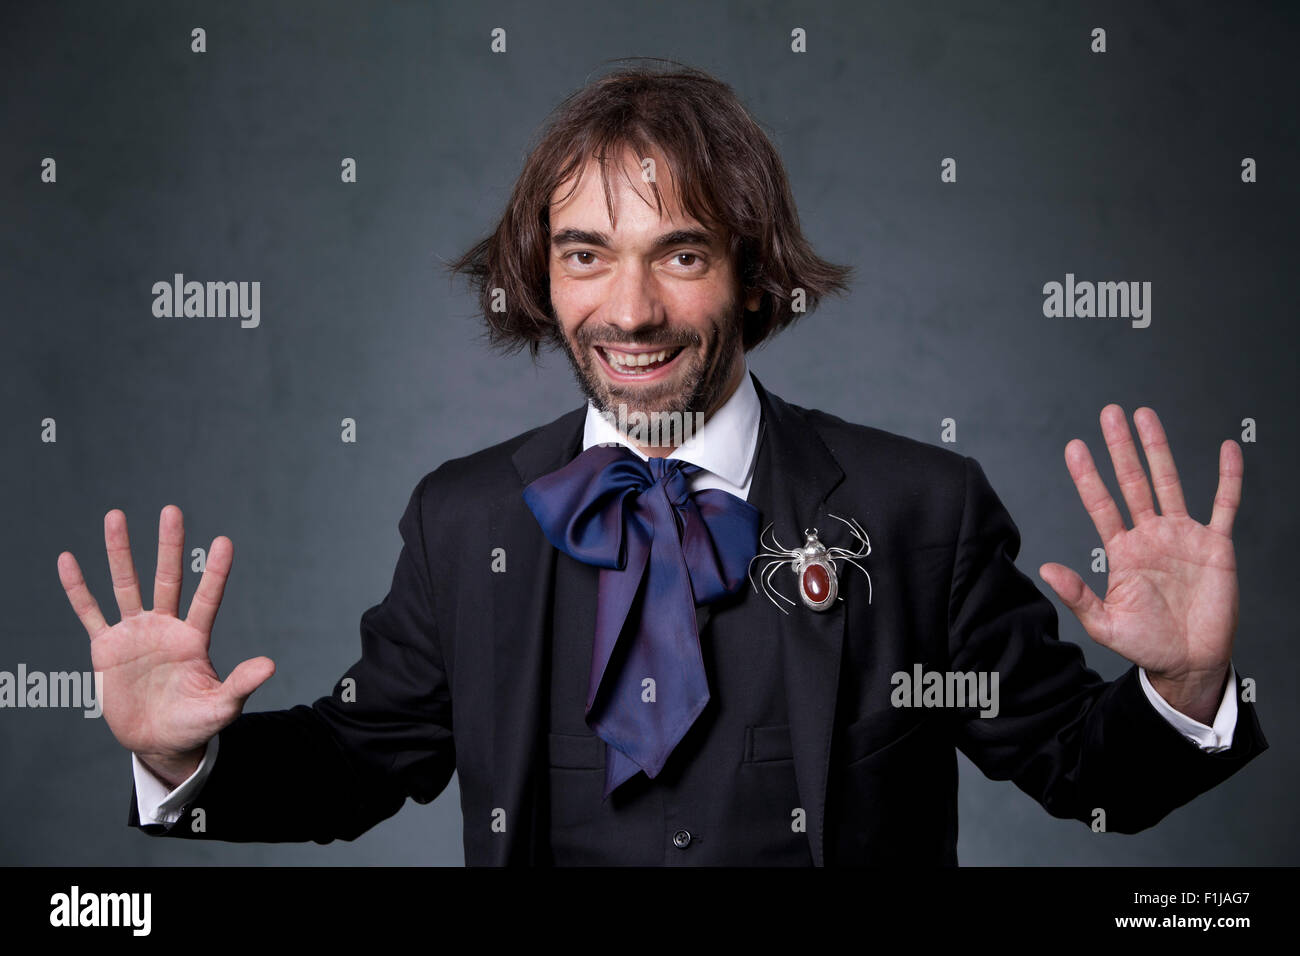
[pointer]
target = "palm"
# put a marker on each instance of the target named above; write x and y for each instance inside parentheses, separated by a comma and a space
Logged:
(1171, 604)
(1172, 595)
(161, 695)
(160, 691)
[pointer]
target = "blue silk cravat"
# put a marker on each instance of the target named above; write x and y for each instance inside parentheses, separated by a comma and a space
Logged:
(661, 549)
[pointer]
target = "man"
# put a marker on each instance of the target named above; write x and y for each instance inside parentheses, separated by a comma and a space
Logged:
(585, 623)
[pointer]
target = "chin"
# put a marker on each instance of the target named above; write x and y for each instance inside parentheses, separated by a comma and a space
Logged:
(666, 390)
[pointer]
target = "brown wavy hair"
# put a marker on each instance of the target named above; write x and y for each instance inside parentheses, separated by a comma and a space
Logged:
(727, 173)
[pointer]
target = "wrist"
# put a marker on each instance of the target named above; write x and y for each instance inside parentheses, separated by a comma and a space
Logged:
(1195, 696)
(173, 769)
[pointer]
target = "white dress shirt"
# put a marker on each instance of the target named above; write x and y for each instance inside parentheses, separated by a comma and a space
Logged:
(724, 448)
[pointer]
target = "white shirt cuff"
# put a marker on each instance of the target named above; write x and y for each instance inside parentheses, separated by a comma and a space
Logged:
(154, 802)
(1213, 739)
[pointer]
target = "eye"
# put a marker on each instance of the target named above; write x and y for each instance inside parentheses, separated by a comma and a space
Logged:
(688, 260)
(582, 252)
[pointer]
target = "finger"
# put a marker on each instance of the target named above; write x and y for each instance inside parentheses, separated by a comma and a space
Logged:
(1079, 598)
(1160, 457)
(1129, 472)
(207, 596)
(126, 586)
(1232, 466)
(82, 601)
(167, 576)
(1096, 499)
(246, 678)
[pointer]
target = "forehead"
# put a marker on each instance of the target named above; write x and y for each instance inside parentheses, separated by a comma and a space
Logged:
(631, 205)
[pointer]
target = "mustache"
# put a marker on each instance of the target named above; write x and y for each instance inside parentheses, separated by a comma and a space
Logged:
(663, 338)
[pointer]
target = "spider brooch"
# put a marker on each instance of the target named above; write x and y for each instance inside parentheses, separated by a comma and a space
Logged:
(813, 564)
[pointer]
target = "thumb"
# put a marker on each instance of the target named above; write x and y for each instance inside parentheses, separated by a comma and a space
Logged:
(246, 678)
(1079, 598)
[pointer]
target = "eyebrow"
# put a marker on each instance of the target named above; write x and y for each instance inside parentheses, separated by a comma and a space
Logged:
(678, 237)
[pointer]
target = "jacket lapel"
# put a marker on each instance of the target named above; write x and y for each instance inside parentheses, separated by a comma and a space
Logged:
(518, 628)
(797, 474)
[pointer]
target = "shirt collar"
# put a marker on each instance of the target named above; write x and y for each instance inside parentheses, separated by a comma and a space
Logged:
(723, 445)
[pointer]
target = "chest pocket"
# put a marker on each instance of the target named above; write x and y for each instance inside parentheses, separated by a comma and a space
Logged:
(575, 751)
(768, 744)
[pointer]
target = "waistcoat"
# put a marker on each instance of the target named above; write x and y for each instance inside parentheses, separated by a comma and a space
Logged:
(726, 796)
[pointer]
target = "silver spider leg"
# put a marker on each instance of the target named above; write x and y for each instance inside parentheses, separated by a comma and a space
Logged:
(864, 549)
(858, 532)
(860, 568)
(776, 546)
(771, 588)
(776, 556)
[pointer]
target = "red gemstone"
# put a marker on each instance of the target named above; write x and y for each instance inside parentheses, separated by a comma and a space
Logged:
(816, 583)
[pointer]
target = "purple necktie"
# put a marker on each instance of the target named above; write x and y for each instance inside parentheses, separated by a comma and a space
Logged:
(662, 550)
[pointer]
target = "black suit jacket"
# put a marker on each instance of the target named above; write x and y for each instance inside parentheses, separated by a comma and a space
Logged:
(451, 676)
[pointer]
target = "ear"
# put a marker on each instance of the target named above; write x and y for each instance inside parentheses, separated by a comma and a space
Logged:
(753, 300)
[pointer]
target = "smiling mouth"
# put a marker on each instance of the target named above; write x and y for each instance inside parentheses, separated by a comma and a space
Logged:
(635, 364)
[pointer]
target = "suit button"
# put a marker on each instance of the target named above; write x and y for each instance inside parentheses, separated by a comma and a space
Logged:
(682, 839)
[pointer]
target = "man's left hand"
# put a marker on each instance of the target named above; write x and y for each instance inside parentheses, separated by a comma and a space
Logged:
(1171, 604)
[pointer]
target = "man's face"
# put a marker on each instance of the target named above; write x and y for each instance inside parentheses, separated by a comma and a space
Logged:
(655, 290)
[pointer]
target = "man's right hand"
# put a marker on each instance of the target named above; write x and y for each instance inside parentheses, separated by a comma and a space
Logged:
(161, 697)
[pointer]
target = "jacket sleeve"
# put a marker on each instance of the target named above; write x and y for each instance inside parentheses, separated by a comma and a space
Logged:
(334, 769)
(1072, 741)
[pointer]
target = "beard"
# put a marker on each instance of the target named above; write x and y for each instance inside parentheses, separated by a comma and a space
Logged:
(694, 387)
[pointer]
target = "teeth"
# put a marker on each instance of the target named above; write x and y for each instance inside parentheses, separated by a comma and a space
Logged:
(629, 360)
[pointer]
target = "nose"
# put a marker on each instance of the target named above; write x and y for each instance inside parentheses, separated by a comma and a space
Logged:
(633, 304)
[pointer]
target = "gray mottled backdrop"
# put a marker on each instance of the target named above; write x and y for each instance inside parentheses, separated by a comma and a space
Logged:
(225, 165)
